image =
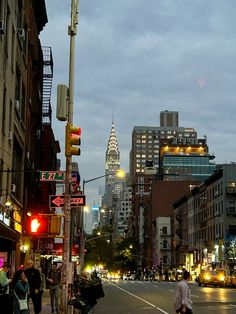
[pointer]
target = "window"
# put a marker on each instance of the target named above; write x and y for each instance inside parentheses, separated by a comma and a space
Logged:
(17, 89)
(7, 29)
(164, 259)
(13, 33)
(2, 14)
(164, 230)
(231, 207)
(164, 244)
(232, 230)
(4, 110)
(22, 111)
(20, 15)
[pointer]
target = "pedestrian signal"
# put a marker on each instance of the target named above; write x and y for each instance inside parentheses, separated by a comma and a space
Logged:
(39, 225)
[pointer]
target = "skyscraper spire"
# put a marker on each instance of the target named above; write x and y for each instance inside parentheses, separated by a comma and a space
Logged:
(112, 163)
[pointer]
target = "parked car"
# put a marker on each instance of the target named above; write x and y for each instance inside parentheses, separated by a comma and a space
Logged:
(215, 278)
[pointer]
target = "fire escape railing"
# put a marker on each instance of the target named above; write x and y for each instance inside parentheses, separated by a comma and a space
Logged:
(47, 85)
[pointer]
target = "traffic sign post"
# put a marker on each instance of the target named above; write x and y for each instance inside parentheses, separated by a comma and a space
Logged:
(59, 200)
(51, 175)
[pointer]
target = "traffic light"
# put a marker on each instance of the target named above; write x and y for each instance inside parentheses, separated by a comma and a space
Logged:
(72, 138)
(39, 225)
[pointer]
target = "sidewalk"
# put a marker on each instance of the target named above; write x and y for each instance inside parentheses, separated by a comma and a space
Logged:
(46, 305)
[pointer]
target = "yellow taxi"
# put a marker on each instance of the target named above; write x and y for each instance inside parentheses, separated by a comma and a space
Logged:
(213, 277)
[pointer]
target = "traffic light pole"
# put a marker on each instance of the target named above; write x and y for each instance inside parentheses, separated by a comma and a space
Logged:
(67, 267)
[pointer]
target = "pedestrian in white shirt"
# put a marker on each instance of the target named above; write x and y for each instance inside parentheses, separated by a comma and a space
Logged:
(183, 302)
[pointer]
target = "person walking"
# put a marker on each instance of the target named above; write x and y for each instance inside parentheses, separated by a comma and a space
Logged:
(54, 279)
(34, 279)
(183, 302)
(4, 289)
(20, 287)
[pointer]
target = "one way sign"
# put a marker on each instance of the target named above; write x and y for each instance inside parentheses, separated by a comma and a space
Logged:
(59, 200)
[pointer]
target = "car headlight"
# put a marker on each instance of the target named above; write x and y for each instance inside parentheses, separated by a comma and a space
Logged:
(207, 277)
(221, 277)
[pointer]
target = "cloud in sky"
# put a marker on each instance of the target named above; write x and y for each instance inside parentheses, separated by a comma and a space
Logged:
(138, 58)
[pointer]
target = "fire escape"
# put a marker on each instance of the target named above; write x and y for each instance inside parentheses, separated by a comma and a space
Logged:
(47, 85)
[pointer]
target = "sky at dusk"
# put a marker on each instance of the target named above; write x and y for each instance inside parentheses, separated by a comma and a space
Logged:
(136, 58)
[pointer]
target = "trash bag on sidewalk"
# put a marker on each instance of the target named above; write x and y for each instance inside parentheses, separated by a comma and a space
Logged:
(87, 292)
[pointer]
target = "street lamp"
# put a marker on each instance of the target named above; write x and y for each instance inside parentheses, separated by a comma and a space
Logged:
(119, 174)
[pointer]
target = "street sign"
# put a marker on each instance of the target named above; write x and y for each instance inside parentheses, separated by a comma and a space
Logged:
(59, 200)
(51, 175)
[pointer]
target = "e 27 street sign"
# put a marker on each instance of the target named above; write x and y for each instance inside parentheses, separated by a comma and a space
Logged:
(48, 175)
(59, 200)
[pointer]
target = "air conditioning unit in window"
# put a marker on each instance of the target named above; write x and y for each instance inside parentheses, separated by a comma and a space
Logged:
(2, 28)
(13, 188)
(21, 33)
(10, 135)
(17, 104)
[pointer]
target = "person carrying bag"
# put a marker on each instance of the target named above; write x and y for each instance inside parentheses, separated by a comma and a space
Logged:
(23, 303)
(20, 292)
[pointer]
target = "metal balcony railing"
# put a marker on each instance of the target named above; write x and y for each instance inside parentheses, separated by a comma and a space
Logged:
(47, 85)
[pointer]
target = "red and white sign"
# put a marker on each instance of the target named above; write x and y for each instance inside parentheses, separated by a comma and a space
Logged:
(59, 200)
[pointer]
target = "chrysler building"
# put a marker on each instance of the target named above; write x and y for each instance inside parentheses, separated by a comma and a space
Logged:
(112, 162)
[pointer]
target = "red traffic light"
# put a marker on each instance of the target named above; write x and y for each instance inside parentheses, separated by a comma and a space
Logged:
(72, 138)
(39, 225)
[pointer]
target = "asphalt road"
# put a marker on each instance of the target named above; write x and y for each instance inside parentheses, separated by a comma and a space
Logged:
(136, 297)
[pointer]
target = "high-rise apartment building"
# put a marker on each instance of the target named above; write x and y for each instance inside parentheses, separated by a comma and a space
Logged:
(146, 141)
(123, 209)
(166, 152)
(169, 119)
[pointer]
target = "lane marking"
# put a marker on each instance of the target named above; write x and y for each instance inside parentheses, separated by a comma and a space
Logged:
(135, 296)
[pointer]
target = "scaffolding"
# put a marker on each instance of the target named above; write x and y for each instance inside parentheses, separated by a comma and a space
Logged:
(47, 85)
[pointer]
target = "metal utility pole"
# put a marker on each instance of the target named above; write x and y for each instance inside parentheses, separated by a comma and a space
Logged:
(67, 266)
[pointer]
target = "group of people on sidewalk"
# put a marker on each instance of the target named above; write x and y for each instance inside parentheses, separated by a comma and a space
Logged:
(28, 283)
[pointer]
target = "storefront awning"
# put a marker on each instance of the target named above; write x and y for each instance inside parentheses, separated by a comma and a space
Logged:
(8, 233)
